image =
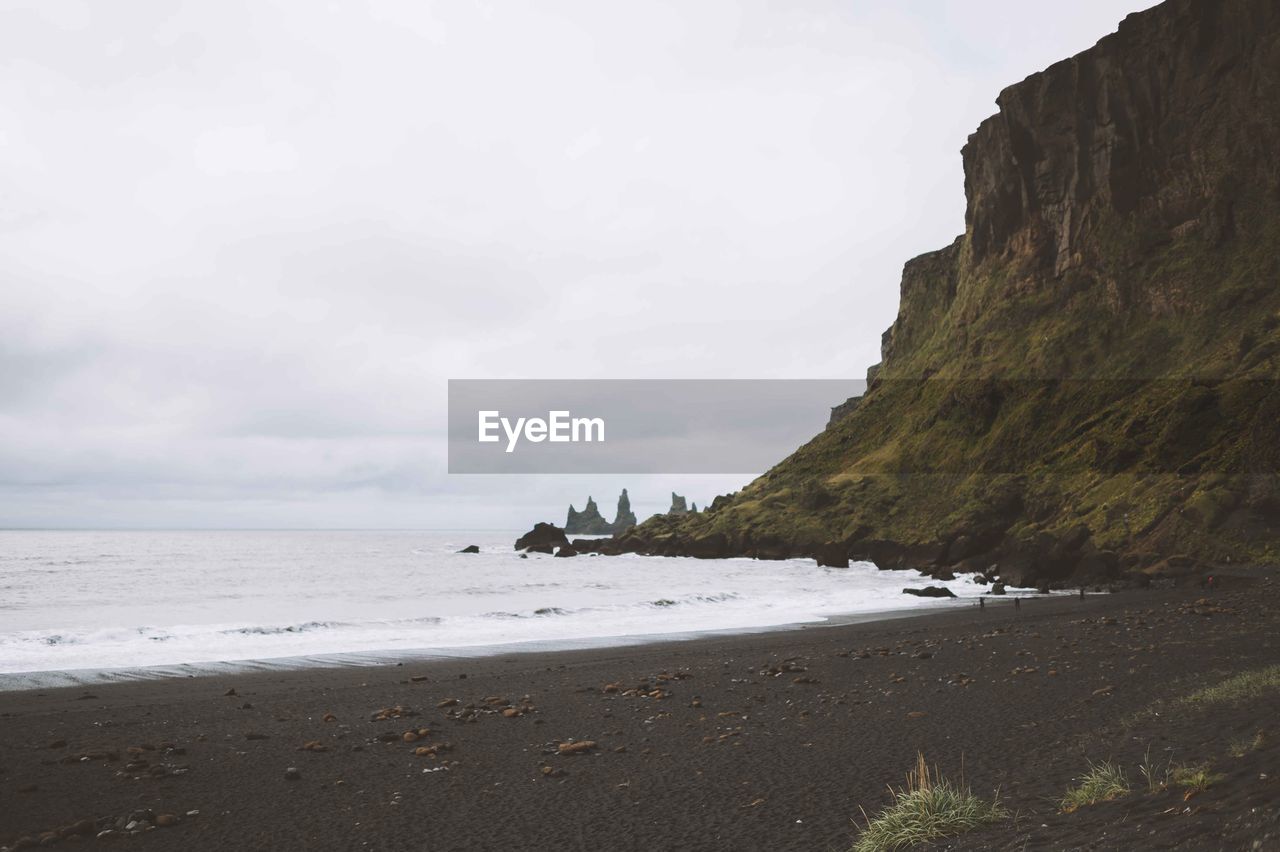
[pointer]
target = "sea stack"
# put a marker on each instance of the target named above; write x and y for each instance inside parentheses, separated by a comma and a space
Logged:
(625, 518)
(590, 522)
(587, 522)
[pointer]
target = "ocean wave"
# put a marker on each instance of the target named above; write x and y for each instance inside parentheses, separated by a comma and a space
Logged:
(205, 606)
(266, 630)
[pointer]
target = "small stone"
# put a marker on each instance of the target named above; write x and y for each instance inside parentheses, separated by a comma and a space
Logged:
(230, 692)
(166, 820)
(292, 774)
(510, 712)
(580, 747)
(410, 736)
(448, 702)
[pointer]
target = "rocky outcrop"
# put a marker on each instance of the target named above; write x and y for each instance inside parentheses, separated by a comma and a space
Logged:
(590, 522)
(1082, 387)
(678, 505)
(542, 538)
(844, 409)
(930, 592)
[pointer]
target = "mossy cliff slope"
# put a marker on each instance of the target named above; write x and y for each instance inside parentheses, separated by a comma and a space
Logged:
(1083, 385)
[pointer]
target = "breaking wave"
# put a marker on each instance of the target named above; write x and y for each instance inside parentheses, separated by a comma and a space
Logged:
(166, 599)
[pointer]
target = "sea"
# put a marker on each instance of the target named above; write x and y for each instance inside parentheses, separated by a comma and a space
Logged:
(80, 607)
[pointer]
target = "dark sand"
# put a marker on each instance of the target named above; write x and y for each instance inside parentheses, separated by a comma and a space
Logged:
(731, 756)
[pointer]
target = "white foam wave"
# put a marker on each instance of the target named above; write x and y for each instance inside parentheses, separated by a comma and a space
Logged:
(195, 598)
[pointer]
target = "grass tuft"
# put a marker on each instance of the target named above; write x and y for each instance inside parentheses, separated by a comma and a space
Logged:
(1237, 688)
(1241, 747)
(1102, 783)
(1157, 778)
(928, 807)
(1195, 778)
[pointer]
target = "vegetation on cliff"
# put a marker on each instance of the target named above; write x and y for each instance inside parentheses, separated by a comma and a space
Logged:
(1084, 383)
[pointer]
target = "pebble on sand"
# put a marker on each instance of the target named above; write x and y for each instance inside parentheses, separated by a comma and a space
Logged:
(292, 774)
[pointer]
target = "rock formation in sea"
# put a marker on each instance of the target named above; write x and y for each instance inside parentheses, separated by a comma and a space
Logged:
(1082, 387)
(678, 505)
(587, 522)
(543, 538)
(625, 518)
(590, 522)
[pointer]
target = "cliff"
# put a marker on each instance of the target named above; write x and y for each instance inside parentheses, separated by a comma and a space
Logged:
(1082, 386)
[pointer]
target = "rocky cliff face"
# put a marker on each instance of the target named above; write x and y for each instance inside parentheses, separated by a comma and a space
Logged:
(1161, 119)
(1083, 385)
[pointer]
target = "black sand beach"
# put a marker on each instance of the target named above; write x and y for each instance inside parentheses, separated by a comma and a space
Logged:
(765, 741)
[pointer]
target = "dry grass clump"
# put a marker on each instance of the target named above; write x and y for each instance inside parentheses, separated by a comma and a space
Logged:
(1157, 778)
(928, 807)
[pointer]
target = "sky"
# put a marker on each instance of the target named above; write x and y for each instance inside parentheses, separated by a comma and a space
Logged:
(244, 246)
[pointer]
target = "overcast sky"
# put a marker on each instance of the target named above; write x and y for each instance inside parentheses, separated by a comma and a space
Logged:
(244, 245)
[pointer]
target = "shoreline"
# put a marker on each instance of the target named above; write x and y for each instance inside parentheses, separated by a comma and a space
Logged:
(45, 680)
(764, 740)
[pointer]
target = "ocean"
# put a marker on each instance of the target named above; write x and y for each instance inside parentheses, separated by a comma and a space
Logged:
(86, 606)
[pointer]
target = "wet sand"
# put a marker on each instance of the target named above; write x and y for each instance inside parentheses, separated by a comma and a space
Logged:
(760, 741)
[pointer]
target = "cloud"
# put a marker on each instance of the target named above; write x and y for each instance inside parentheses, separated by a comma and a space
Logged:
(245, 245)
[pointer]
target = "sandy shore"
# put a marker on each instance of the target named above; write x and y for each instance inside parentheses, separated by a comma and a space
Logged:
(763, 741)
